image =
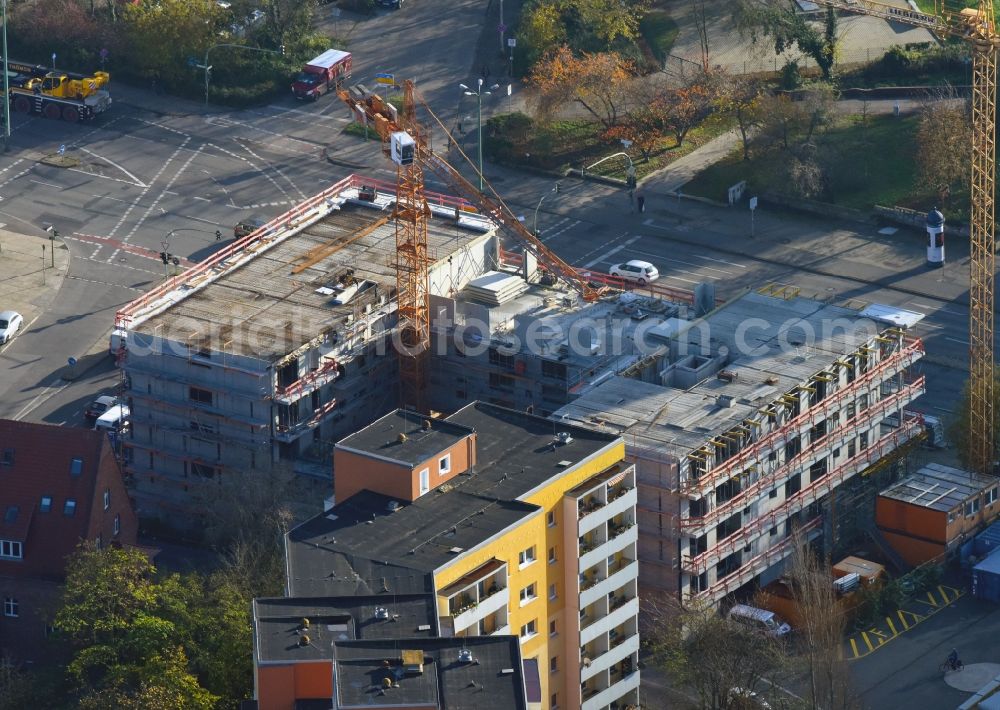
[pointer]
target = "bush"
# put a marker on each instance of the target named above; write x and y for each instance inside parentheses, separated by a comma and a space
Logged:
(509, 135)
(791, 78)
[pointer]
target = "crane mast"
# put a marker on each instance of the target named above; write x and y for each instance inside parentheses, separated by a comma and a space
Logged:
(975, 26)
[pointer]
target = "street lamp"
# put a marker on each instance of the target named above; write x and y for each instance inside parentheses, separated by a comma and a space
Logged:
(479, 93)
(6, 86)
(208, 67)
(534, 225)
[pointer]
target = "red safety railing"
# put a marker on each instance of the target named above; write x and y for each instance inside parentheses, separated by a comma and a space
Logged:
(805, 496)
(307, 380)
(832, 438)
(910, 353)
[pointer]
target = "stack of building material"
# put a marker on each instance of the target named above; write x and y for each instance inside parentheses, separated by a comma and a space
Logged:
(494, 288)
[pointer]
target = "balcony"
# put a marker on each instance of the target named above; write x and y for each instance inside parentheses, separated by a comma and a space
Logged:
(478, 595)
(291, 432)
(624, 502)
(603, 698)
(626, 646)
(592, 627)
(306, 384)
(618, 575)
(606, 549)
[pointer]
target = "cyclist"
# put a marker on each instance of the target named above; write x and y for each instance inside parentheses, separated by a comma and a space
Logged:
(953, 659)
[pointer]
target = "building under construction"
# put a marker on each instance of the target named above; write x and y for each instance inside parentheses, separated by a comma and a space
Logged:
(758, 412)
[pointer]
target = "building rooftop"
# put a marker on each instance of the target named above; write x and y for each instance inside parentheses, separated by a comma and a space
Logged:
(279, 628)
(266, 291)
(406, 437)
(362, 546)
(765, 345)
(938, 487)
(494, 679)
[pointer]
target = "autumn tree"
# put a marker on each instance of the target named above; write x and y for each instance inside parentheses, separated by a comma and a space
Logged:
(740, 97)
(164, 34)
(786, 27)
(585, 25)
(944, 134)
(600, 83)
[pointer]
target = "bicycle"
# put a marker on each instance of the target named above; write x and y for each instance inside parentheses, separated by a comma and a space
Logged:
(947, 666)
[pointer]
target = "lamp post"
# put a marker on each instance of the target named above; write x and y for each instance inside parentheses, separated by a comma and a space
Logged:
(479, 93)
(208, 67)
(534, 224)
(6, 86)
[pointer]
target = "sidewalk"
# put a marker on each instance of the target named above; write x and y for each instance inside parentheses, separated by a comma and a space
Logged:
(25, 286)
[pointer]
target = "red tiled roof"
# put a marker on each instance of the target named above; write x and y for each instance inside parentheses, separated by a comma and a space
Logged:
(42, 457)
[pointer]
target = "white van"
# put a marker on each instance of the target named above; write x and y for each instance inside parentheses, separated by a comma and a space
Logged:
(115, 419)
(759, 619)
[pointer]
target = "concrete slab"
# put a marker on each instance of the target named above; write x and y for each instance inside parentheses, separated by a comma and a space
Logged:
(973, 676)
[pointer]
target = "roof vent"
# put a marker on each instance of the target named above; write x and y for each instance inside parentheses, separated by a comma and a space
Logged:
(427, 425)
(424, 627)
(392, 506)
(724, 401)
(387, 682)
(304, 640)
(456, 550)
(401, 438)
(305, 623)
(771, 380)
(381, 612)
(506, 671)
(564, 463)
(564, 437)
(465, 656)
(727, 375)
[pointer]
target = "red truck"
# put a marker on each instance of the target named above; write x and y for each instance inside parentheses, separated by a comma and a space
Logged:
(322, 74)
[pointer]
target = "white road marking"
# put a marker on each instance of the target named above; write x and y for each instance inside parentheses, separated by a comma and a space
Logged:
(719, 261)
(274, 168)
(47, 184)
(956, 340)
(159, 197)
(943, 309)
(108, 197)
(611, 252)
(142, 194)
(40, 398)
(138, 182)
(252, 165)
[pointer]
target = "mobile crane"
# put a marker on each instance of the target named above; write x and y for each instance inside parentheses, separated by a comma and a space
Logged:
(71, 97)
(407, 145)
(976, 26)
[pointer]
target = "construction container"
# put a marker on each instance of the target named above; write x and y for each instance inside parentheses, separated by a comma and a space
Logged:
(987, 541)
(986, 579)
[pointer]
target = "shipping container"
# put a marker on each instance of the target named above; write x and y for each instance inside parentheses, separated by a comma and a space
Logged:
(986, 579)
(987, 541)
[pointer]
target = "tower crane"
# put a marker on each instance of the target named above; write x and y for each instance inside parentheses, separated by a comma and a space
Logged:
(405, 142)
(976, 26)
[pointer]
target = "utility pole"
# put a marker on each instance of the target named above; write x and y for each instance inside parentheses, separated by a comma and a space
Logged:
(6, 85)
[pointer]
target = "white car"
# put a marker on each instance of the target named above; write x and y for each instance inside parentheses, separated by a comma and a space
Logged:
(10, 323)
(642, 272)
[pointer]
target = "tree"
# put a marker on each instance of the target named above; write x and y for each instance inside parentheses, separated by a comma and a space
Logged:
(958, 424)
(162, 35)
(599, 82)
(712, 655)
(701, 26)
(688, 106)
(17, 690)
(787, 27)
(944, 134)
(740, 97)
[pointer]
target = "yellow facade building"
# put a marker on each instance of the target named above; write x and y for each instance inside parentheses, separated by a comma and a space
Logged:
(515, 524)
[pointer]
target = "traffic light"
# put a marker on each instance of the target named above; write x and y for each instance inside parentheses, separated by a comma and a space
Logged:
(218, 235)
(164, 257)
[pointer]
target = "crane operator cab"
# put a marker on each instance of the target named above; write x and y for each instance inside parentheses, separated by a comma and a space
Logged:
(403, 148)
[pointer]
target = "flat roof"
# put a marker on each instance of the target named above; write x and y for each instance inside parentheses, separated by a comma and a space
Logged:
(938, 487)
(360, 545)
(258, 292)
(406, 436)
(279, 630)
(494, 680)
(787, 342)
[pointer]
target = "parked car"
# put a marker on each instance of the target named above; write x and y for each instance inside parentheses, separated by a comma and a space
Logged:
(248, 226)
(641, 272)
(394, 4)
(115, 419)
(10, 323)
(767, 622)
(99, 406)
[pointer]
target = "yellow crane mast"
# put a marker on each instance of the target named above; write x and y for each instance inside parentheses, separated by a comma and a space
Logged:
(976, 26)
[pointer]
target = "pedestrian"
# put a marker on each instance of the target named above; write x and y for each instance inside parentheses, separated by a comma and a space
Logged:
(631, 201)
(641, 201)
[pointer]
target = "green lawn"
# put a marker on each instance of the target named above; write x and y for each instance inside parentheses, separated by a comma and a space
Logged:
(660, 32)
(863, 165)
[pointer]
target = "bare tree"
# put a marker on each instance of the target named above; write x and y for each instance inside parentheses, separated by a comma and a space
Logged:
(701, 25)
(740, 96)
(944, 133)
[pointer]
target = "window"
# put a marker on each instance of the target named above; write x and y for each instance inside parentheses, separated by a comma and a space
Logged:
(863, 441)
(552, 592)
(529, 630)
(555, 700)
(203, 470)
(553, 369)
(552, 555)
(10, 606)
(836, 453)
(8, 457)
(10, 517)
(199, 427)
(118, 523)
(197, 394)
(11, 549)
(971, 507)
(552, 628)
(526, 557)
(550, 519)
(951, 516)
(504, 383)
(774, 531)
(554, 665)
(528, 594)
(107, 498)
(69, 508)
(501, 359)
(444, 465)
(99, 542)
(76, 467)
(773, 493)
(46, 505)
(991, 496)
(425, 481)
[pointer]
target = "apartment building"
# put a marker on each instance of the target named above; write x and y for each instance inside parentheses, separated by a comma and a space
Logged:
(763, 408)
(513, 524)
(265, 354)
